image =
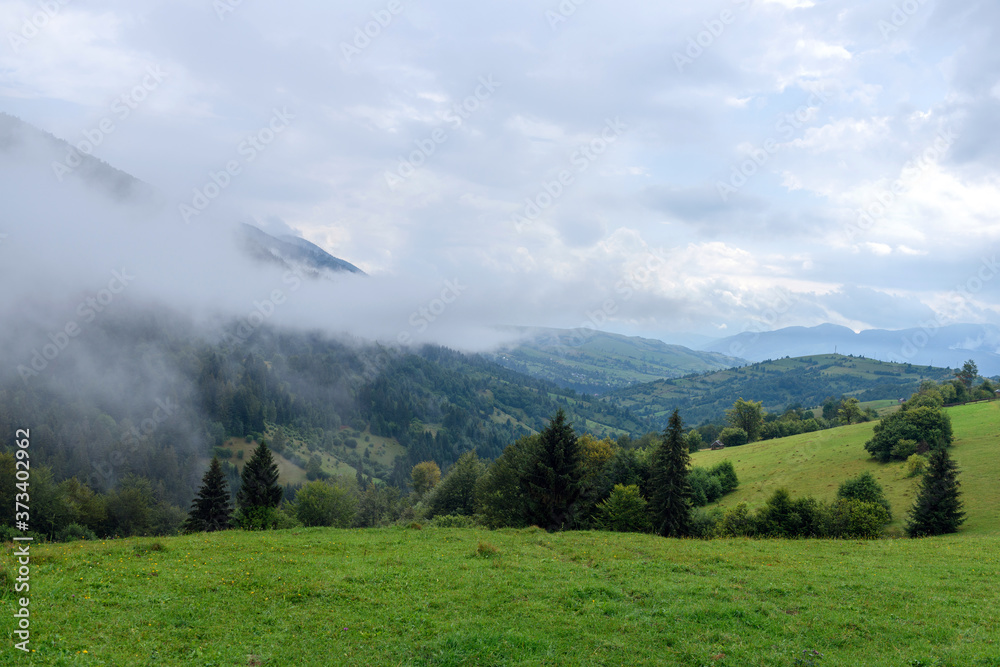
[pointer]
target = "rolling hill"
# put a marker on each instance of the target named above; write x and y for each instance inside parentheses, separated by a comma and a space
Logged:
(592, 361)
(936, 345)
(816, 463)
(779, 383)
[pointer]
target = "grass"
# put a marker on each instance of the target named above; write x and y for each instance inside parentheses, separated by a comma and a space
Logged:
(435, 596)
(816, 463)
(474, 597)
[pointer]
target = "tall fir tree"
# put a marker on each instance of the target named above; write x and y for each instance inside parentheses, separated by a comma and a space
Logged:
(670, 491)
(553, 480)
(937, 509)
(259, 494)
(211, 509)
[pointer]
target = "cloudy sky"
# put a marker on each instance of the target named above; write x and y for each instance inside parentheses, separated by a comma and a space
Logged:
(665, 169)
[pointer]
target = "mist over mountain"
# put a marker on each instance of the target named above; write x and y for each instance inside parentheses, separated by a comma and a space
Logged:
(594, 361)
(934, 345)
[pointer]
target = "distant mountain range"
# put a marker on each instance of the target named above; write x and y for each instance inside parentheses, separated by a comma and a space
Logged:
(945, 346)
(596, 361)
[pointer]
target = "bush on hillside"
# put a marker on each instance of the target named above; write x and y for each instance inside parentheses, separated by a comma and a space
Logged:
(929, 427)
(624, 511)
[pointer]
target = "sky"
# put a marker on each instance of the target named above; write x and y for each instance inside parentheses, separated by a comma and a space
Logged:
(675, 170)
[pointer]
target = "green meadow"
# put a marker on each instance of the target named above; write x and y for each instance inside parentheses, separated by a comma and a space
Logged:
(816, 463)
(435, 596)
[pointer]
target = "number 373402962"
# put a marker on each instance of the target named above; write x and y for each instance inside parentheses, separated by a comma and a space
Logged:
(22, 467)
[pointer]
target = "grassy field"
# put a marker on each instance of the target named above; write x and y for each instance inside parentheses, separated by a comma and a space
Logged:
(432, 596)
(816, 463)
(402, 596)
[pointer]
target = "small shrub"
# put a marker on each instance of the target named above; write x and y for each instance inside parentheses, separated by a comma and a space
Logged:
(904, 449)
(415, 526)
(865, 488)
(916, 465)
(223, 453)
(737, 522)
(487, 550)
(705, 523)
(149, 546)
(856, 519)
(239, 454)
(625, 511)
(74, 532)
(726, 474)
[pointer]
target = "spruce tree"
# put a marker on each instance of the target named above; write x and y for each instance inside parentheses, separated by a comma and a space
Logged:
(670, 491)
(211, 509)
(937, 509)
(259, 492)
(553, 480)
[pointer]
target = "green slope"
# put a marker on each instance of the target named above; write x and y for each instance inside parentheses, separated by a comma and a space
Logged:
(816, 463)
(472, 597)
(595, 361)
(778, 383)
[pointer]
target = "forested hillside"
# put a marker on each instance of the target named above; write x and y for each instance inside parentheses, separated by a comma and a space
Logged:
(805, 381)
(151, 395)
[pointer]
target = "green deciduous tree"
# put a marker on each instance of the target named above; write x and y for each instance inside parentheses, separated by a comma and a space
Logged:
(670, 491)
(938, 508)
(502, 494)
(625, 510)
(968, 374)
(850, 411)
(424, 477)
(322, 504)
(929, 427)
(694, 441)
(747, 415)
(726, 474)
(259, 494)
(865, 488)
(733, 436)
(211, 508)
(456, 494)
(553, 482)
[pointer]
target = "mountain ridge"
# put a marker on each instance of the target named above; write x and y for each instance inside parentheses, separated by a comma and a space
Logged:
(941, 346)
